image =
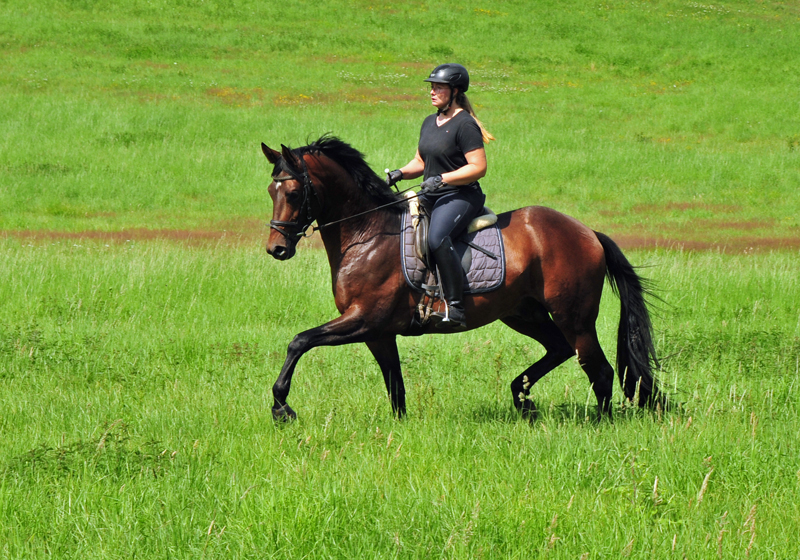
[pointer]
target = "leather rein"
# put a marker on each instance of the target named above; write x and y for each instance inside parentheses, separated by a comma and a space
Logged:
(295, 230)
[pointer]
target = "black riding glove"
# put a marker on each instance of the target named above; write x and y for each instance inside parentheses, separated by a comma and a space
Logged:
(393, 177)
(431, 184)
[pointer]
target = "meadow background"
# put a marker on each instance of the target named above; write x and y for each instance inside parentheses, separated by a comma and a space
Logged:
(142, 325)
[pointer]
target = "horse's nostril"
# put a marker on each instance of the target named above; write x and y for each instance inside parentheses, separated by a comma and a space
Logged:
(279, 253)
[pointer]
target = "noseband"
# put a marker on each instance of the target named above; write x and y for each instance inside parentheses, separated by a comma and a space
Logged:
(293, 231)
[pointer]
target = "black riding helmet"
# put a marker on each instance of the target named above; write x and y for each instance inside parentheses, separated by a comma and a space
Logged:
(453, 74)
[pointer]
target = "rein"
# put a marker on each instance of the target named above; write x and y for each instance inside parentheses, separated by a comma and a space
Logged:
(301, 230)
(319, 227)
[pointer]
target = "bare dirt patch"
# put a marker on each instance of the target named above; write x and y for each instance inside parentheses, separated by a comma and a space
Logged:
(714, 227)
(697, 235)
(185, 236)
(684, 206)
(257, 236)
(364, 95)
(236, 96)
(747, 244)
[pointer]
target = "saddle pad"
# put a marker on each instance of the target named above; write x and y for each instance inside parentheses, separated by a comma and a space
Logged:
(485, 273)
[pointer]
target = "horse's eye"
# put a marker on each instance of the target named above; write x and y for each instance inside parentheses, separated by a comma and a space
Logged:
(293, 197)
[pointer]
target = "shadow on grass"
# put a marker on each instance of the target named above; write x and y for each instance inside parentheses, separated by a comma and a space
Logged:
(113, 454)
(573, 413)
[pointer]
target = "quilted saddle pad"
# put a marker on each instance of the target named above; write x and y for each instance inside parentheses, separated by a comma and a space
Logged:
(484, 273)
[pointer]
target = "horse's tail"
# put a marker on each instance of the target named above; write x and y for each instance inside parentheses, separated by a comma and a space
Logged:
(636, 354)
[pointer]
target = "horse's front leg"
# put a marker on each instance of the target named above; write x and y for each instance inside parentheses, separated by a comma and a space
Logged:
(349, 328)
(385, 353)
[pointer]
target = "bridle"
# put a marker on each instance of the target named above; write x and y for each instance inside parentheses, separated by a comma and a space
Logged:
(294, 231)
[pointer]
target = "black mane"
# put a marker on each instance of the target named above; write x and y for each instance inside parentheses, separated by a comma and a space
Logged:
(354, 163)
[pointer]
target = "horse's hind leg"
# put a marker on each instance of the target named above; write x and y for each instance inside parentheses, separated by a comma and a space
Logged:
(600, 373)
(385, 352)
(577, 323)
(531, 319)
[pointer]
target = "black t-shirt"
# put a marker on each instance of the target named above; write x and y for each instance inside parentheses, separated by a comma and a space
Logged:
(442, 148)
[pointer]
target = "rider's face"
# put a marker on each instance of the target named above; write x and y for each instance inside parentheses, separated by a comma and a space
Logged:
(440, 95)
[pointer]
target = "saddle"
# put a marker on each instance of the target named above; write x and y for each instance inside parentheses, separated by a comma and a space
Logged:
(480, 248)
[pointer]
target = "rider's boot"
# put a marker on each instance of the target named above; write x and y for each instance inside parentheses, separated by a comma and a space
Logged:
(451, 278)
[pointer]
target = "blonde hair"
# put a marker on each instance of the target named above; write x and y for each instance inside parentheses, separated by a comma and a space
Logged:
(463, 102)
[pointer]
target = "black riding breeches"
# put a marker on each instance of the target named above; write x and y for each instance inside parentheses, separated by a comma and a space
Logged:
(452, 213)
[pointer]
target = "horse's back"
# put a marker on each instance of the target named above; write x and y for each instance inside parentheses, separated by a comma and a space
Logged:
(553, 250)
(549, 233)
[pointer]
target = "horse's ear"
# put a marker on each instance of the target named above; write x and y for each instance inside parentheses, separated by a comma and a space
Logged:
(272, 155)
(291, 159)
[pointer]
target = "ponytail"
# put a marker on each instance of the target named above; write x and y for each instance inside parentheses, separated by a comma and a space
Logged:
(463, 102)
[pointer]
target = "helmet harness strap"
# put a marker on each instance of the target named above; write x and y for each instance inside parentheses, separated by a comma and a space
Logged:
(446, 108)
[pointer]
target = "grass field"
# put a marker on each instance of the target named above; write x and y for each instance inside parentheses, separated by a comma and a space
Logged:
(136, 420)
(142, 325)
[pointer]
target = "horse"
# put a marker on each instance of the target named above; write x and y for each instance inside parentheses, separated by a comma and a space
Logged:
(555, 271)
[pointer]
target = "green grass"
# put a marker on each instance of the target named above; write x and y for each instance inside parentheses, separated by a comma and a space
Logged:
(118, 115)
(136, 420)
(136, 374)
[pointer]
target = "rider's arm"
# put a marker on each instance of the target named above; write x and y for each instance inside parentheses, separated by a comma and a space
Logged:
(474, 170)
(413, 168)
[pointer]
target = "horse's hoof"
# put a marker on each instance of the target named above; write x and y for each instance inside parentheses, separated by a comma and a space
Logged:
(283, 414)
(528, 411)
(604, 416)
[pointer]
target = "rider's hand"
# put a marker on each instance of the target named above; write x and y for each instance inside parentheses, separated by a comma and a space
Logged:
(393, 177)
(431, 184)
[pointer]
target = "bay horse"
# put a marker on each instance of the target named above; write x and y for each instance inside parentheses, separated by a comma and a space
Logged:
(555, 269)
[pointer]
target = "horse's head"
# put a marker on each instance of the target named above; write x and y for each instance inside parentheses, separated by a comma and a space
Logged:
(344, 187)
(291, 192)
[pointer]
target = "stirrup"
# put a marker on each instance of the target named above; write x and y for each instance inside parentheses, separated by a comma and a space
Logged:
(447, 320)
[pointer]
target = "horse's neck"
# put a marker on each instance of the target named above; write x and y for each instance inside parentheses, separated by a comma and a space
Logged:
(341, 197)
(350, 242)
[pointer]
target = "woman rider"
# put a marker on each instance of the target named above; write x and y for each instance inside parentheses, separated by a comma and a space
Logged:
(451, 157)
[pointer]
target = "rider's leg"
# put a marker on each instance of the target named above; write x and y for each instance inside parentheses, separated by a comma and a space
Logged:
(451, 281)
(450, 216)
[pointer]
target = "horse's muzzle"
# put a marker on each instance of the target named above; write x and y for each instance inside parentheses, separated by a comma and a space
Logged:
(280, 252)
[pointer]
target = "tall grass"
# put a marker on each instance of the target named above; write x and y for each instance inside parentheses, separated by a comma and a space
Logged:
(136, 420)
